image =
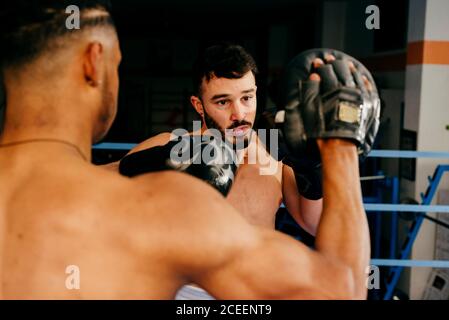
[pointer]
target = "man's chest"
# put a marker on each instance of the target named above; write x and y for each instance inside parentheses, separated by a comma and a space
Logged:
(256, 195)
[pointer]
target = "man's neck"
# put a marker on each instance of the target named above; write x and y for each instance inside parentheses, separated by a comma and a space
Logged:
(36, 127)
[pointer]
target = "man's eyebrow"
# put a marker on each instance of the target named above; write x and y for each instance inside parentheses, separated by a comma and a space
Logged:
(219, 96)
(225, 95)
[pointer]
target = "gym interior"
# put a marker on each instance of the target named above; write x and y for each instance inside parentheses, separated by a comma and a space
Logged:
(404, 43)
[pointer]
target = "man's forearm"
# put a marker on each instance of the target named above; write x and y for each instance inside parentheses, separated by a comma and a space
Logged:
(310, 211)
(343, 230)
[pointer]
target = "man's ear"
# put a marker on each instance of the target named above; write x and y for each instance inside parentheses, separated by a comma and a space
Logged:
(93, 64)
(198, 105)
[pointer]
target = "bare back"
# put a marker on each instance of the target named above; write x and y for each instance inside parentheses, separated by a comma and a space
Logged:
(131, 240)
(65, 213)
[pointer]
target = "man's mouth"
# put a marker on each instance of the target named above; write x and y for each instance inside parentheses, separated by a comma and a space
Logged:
(240, 131)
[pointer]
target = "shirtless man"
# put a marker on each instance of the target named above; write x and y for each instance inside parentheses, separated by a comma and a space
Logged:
(226, 100)
(127, 236)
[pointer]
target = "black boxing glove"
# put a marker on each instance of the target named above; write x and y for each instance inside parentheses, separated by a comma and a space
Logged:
(204, 157)
(338, 106)
(307, 171)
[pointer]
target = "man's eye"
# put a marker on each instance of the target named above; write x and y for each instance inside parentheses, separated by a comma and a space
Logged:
(247, 98)
(222, 102)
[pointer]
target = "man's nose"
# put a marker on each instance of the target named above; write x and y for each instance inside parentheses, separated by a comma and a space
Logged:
(238, 112)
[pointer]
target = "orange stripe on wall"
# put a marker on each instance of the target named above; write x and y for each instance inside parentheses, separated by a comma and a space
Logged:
(428, 52)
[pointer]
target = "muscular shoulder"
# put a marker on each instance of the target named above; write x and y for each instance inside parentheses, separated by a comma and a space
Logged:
(152, 142)
(169, 217)
(166, 197)
(153, 196)
(194, 220)
(157, 140)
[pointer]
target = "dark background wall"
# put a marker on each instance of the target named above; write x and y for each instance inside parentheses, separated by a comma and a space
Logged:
(161, 39)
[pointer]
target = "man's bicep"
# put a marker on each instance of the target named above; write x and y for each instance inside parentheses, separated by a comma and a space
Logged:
(273, 266)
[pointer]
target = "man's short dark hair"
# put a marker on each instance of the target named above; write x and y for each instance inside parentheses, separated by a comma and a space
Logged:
(224, 60)
(28, 27)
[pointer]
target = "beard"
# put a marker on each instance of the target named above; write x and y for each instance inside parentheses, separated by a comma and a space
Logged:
(107, 112)
(238, 143)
